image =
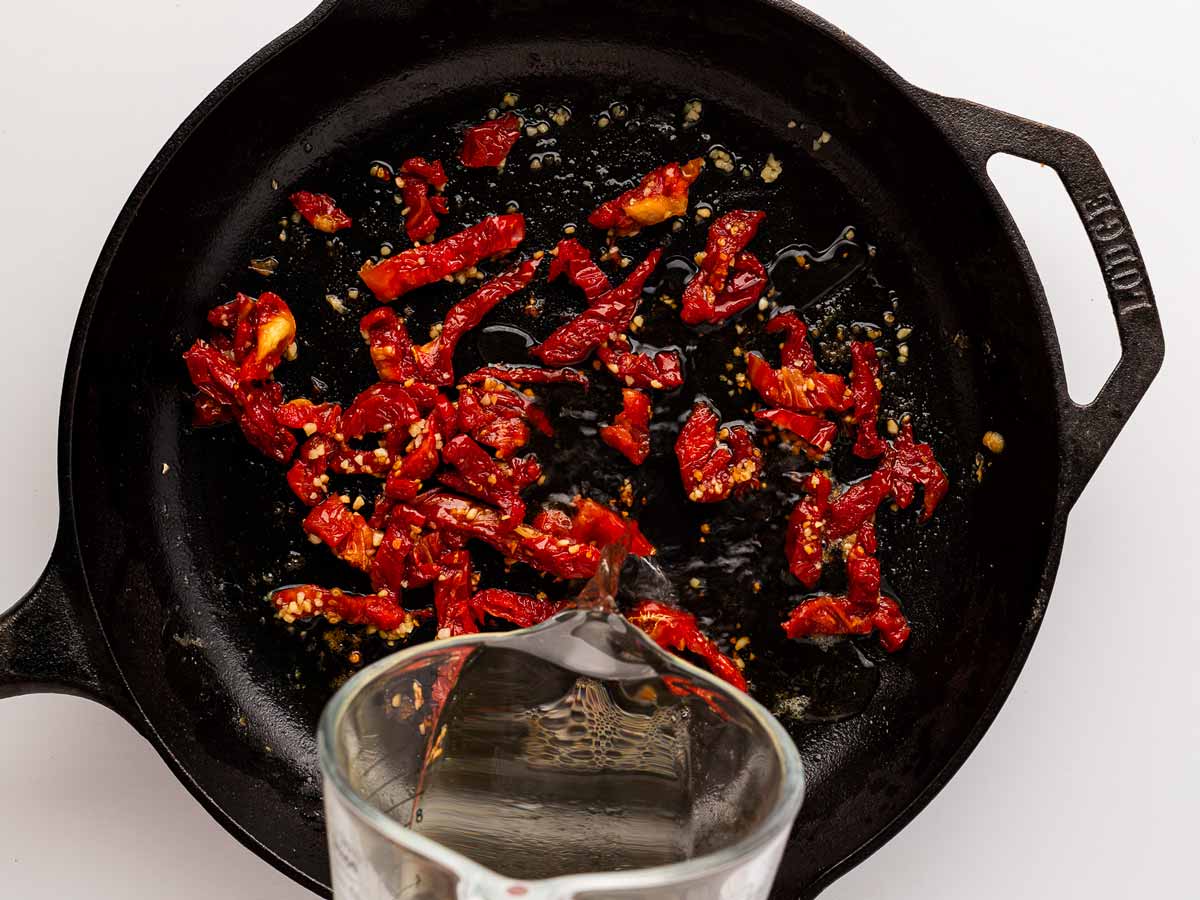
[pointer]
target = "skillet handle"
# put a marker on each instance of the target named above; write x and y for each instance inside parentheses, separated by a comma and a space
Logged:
(50, 641)
(1088, 431)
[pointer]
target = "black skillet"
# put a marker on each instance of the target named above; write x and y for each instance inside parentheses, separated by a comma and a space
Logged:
(150, 601)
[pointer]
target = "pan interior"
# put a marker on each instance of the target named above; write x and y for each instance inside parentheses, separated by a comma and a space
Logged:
(177, 558)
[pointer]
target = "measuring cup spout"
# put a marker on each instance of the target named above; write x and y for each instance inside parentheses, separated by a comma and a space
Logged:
(601, 592)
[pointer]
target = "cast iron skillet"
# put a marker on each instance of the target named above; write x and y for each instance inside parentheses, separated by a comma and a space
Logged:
(141, 607)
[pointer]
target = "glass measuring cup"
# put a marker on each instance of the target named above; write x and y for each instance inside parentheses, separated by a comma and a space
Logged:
(572, 759)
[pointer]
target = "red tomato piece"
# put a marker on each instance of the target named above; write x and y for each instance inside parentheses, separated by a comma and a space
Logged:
(815, 431)
(345, 532)
(435, 360)
(274, 332)
(396, 275)
(909, 463)
(792, 388)
(312, 418)
(662, 194)
(575, 261)
(608, 317)
(561, 557)
(526, 375)
(600, 526)
(307, 601)
(390, 346)
(320, 211)
(422, 209)
(856, 505)
(379, 408)
(481, 476)
(629, 432)
(796, 351)
(729, 280)
(215, 377)
(452, 596)
(258, 424)
(661, 372)
(805, 542)
(712, 469)
(431, 173)
(862, 610)
(390, 563)
(307, 477)
(519, 609)
(489, 142)
(553, 521)
(865, 389)
(677, 631)
(235, 317)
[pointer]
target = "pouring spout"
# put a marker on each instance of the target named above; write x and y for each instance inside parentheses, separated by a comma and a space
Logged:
(601, 592)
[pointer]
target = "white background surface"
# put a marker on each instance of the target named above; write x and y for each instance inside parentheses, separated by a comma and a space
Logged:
(1087, 784)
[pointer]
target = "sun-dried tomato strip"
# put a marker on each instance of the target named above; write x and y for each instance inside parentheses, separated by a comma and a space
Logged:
(526, 375)
(435, 360)
(423, 454)
(496, 415)
(909, 463)
(452, 596)
(307, 477)
(257, 420)
(712, 469)
(274, 332)
(746, 283)
(862, 610)
(662, 194)
(345, 532)
(481, 476)
(391, 347)
(311, 418)
(805, 542)
(235, 317)
(661, 372)
(790, 387)
(575, 261)
(606, 318)
(629, 432)
(561, 557)
(676, 630)
(380, 408)
(729, 279)
(320, 211)
(390, 563)
(553, 521)
(213, 375)
(856, 505)
(519, 609)
(381, 611)
(816, 431)
(489, 142)
(600, 526)
(865, 388)
(796, 351)
(396, 275)
(421, 209)
(448, 511)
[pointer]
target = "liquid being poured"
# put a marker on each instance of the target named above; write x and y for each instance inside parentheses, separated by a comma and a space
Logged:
(577, 746)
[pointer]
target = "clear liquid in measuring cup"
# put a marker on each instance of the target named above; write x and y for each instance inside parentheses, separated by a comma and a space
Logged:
(574, 747)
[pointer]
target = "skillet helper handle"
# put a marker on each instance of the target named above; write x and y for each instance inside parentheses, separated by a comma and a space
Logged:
(1088, 430)
(50, 641)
